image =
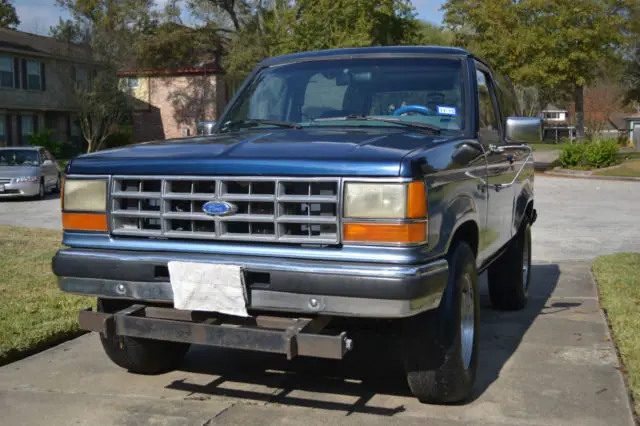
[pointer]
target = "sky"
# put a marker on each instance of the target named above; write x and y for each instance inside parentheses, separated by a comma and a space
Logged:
(37, 16)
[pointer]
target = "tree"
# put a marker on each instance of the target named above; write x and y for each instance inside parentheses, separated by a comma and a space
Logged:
(8, 16)
(102, 108)
(253, 30)
(111, 30)
(550, 44)
(70, 31)
(434, 35)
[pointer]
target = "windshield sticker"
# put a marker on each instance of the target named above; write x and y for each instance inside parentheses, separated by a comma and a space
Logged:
(447, 110)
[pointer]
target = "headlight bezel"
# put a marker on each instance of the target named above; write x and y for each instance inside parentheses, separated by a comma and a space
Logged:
(413, 198)
(98, 206)
(407, 229)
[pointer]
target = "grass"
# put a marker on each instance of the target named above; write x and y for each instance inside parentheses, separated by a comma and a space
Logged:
(618, 278)
(545, 146)
(630, 168)
(34, 313)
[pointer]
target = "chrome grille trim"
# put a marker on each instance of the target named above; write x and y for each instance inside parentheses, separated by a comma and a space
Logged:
(289, 210)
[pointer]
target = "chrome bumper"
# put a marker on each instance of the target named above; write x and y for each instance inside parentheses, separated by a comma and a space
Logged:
(273, 284)
(8, 190)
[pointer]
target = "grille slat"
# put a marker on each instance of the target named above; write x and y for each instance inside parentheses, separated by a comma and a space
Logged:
(288, 210)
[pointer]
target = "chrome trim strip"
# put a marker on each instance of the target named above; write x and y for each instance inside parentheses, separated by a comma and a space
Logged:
(275, 264)
(393, 255)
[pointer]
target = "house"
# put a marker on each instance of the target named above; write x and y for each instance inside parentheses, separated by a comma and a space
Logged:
(554, 116)
(169, 103)
(633, 126)
(36, 86)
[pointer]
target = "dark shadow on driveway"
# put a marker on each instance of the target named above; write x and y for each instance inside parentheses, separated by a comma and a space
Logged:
(373, 367)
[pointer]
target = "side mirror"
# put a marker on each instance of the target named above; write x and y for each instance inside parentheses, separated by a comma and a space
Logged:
(524, 129)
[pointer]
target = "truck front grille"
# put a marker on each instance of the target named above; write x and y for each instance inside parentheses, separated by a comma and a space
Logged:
(286, 210)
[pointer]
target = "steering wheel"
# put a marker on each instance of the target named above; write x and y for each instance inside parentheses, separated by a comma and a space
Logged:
(412, 108)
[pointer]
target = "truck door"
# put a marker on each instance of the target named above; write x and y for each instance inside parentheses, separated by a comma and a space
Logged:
(497, 231)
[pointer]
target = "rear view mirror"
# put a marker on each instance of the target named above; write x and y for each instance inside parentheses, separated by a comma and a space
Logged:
(524, 129)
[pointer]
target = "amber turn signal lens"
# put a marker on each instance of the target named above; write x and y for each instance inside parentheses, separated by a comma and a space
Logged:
(84, 222)
(416, 200)
(385, 232)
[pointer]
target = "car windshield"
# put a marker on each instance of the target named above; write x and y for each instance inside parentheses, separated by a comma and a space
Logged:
(428, 91)
(19, 157)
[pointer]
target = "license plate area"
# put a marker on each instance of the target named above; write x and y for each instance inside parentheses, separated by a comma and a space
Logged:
(208, 287)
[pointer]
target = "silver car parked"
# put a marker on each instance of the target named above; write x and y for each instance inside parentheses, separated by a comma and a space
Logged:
(29, 171)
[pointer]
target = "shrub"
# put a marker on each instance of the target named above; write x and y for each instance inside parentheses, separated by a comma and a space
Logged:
(601, 153)
(589, 155)
(57, 148)
(571, 155)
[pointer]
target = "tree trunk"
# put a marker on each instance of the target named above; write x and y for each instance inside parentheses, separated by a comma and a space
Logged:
(578, 98)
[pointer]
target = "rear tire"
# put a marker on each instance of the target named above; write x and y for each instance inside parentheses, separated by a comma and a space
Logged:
(140, 356)
(510, 276)
(441, 346)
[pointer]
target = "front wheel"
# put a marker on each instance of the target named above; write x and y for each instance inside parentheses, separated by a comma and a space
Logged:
(441, 346)
(137, 355)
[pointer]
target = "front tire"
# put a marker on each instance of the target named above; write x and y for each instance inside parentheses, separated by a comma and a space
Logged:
(510, 276)
(441, 346)
(137, 355)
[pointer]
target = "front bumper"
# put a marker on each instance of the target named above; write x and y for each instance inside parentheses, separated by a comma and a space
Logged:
(27, 189)
(273, 284)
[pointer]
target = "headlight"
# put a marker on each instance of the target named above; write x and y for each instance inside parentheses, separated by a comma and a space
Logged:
(385, 213)
(385, 200)
(27, 179)
(85, 195)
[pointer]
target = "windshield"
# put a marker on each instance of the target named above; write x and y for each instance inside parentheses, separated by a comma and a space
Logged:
(19, 157)
(418, 90)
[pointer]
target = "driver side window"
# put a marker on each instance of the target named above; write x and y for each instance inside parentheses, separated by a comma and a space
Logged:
(488, 127)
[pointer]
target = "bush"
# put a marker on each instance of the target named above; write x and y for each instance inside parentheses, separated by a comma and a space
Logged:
(589, 155)
(57, 148)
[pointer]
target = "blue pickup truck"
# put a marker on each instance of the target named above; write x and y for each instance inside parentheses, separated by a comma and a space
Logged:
(338, 189)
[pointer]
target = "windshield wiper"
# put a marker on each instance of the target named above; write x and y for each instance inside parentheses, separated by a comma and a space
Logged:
(434, 129)
(256, 122)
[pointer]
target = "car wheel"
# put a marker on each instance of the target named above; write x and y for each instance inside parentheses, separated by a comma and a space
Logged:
(56, 189)
(41, 191)
(510, 276)
(138, 355)
(440, 346)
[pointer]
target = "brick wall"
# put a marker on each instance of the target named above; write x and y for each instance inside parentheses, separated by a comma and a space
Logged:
(175, 104)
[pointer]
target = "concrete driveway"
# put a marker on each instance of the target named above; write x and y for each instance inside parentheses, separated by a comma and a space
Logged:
(31, 213)
(551, 364)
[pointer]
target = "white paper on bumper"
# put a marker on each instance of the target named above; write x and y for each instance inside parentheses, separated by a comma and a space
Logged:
(208, 287)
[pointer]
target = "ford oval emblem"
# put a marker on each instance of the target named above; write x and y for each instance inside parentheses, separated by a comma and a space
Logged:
(219, 208)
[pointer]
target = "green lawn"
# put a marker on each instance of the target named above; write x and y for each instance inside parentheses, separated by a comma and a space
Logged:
(34, 314)
(630, 168)
(545, 146)
(618, 278)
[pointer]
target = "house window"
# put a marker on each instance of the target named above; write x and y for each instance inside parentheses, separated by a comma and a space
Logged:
(27, 128)
(81, 77)
(34, 76)
(133, 83)
(6, 71)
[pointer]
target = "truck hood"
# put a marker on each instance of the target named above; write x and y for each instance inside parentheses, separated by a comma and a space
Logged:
(317, 152)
